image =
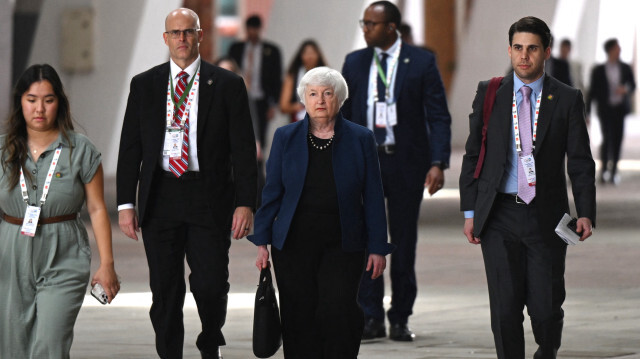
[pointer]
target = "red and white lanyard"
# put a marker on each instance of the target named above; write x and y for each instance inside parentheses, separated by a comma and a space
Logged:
(47, 181)
(170, 101)
(516, 131)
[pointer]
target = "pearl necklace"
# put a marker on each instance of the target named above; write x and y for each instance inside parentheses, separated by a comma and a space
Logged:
(317, 147)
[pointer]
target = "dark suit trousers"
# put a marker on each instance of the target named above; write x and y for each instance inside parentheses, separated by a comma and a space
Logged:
(318, 286)
(180, 224)
(403, 209)
(523, 268)
(612, 127)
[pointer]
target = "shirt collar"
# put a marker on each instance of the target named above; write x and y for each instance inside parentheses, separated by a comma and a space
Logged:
(191, 69)
(536, 86)
(390, 51)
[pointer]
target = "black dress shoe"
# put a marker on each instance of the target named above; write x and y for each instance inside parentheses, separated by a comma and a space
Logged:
(373, 328)
(216, 355)
(401, 333)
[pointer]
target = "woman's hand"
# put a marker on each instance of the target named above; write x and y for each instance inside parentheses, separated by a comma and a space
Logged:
(263, 257)
(108, 279)
(378, 263)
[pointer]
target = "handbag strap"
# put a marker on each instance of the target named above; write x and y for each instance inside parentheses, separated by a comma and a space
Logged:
(265, 274)
(487, 108)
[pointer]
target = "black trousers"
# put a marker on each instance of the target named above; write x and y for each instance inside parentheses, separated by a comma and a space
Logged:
(403, 210)
(612, 127)
(318, 286)
(180, 225)
(523, 268)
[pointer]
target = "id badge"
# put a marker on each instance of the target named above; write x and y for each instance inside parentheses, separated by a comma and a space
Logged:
(392, 115)
(173, 143)
(529, 166)
(381, 114)
(30, 222)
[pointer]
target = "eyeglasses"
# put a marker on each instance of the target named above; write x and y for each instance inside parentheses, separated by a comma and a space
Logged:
(175, 34)
(370, 24)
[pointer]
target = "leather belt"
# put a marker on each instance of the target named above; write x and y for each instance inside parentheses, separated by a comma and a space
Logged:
(185, 176)
(512, 198)
(387, 149)
(56, 219)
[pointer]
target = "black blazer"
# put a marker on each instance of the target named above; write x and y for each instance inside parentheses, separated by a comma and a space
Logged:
(561, 135)
(599, 91)
(270, 71)
(226, 145)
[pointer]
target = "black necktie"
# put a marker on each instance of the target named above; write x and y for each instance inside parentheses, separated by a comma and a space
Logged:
(381, 132)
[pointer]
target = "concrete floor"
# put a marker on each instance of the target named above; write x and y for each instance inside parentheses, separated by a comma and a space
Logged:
(451, 314)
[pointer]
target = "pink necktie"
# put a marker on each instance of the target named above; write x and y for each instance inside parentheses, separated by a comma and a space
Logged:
(526, 192)
(178, 166)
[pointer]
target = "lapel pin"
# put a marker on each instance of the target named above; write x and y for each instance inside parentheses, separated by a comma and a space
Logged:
(58, 175)
(406, 60)
(209, 82)
(550, 97)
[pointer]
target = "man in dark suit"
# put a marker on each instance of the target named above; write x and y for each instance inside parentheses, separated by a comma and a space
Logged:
(513, 206)
(187, 148)
(396, 91)
(558, 68)
(261, 66)
(612, 84)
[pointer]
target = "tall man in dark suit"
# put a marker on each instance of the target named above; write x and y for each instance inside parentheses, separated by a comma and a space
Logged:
(513, 206)
(612, 84)
(396, 91)
(187, 148)
(261, 66)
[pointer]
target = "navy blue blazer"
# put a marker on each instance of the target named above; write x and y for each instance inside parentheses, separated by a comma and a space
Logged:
(423, 132)
(358, 184)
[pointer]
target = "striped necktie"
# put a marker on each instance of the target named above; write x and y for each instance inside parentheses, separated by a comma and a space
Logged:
(178, 166)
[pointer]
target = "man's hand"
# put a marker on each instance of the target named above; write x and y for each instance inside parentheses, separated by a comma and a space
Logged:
(435, 180)
(584, 227)
(242, 221)
(128, 221)
(468, 231)
(378, 263)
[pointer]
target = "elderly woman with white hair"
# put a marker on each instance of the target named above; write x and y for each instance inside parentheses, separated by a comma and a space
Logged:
(322, 212)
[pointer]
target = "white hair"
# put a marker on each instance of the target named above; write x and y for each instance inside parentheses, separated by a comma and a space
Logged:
(324, 76)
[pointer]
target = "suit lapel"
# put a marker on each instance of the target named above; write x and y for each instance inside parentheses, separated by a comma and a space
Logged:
(403, 67)
(502, 111)
(364, 64)
(298, 157)
(205, 95)
(547, 106)
(159, 105)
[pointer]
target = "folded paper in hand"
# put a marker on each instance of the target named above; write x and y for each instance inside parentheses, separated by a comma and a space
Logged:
(566, 229)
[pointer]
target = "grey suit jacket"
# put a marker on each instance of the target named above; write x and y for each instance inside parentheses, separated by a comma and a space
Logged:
(561, 136)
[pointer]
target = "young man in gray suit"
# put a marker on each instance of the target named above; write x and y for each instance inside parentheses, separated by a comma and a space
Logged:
(515, 202)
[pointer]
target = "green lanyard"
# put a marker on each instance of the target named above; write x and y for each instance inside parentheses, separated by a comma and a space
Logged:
(380, 72)
(184, 94)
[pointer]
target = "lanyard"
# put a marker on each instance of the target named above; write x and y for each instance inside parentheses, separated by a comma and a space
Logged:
(516, 131)
(47, 181)
(391, 67)
(171, 104)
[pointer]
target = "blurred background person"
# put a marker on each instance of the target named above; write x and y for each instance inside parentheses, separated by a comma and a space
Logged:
(575, 67)
(558, 68)
(261, 66)
(307, 57)
(322, 210)
(612, 84)
(44, 269)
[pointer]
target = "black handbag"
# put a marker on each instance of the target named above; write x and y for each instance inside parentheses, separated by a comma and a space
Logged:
(267, 333)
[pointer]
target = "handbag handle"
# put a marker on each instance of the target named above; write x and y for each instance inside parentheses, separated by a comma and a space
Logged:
(265, 274)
